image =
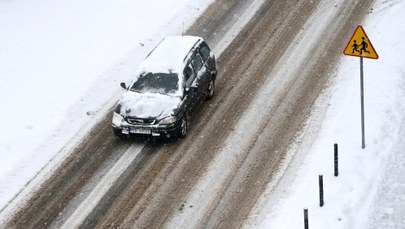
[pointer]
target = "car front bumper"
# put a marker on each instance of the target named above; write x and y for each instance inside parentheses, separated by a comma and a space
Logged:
(154, 130)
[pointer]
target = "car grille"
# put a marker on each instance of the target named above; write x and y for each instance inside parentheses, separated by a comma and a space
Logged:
(135, 121)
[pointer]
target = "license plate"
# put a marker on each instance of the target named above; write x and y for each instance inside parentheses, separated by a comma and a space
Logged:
(140, 131)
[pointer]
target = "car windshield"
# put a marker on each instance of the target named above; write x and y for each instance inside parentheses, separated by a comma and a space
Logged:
(162, 83)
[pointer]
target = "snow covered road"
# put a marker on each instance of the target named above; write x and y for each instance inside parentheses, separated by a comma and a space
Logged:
(271, 72)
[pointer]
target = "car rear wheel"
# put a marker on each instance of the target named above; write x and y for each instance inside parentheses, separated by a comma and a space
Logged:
(211, 89)
(183, 127)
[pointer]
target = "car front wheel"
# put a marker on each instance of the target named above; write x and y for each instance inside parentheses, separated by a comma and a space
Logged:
(211, 89)
(183, 127)
(118, 133)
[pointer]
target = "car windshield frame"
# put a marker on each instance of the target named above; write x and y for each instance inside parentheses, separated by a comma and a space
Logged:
(156, 83)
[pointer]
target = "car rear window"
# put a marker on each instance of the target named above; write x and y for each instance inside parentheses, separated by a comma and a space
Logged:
(162, 83)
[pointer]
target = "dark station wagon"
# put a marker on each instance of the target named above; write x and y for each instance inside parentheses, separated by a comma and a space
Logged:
(171, 83)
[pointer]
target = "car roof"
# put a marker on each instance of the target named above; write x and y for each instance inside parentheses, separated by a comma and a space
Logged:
(169, 55)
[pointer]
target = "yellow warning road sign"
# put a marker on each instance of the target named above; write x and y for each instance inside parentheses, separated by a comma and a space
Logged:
(359, 45)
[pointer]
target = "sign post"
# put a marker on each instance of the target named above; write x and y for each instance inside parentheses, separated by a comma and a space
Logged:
(363, 141)
(360, 46)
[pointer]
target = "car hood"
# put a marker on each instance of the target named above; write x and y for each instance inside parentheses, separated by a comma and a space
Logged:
(148, 105)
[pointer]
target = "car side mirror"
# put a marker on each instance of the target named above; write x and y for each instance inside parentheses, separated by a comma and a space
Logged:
(123, 85)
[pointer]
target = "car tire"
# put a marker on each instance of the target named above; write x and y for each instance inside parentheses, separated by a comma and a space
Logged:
(211, 89)
(183, 127)
(118, 133)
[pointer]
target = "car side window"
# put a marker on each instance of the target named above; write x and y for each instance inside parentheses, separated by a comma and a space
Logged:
(197, 62)
(205, 51)
(189, 74)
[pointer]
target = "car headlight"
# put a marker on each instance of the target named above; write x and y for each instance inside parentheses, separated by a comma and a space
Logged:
(117, 119)
(168, 120)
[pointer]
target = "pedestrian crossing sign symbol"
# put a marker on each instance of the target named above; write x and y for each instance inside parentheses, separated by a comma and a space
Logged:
(360, 46)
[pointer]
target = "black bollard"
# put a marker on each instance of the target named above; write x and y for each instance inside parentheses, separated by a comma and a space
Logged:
(336, 160)
(320, 190)
(306, 218)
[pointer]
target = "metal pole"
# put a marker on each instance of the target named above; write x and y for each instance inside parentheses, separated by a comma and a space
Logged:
(306, 226)
(363, 142)
(321, 190)
(336, 160)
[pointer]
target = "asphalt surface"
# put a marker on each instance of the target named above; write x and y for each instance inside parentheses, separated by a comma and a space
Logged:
(159, 178)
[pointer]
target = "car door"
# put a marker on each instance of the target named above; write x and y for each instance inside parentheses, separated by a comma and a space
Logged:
(202, 79)
(191, 93)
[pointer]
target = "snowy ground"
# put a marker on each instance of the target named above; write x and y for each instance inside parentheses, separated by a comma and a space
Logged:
(57, 75)
(370, 189)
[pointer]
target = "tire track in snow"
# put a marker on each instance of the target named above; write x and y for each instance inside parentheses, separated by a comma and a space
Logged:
(101, 189)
